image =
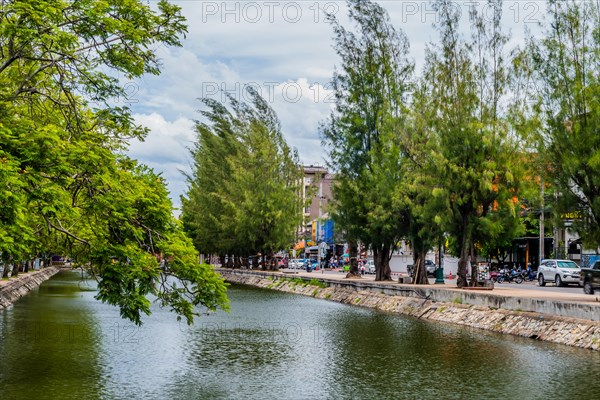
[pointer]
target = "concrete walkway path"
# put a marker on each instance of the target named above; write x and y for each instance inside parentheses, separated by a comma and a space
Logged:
(524, 290)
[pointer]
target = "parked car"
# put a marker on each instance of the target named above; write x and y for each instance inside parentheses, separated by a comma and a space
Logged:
(589, 278)
(561, 272)
(430, 267)
(370, 267)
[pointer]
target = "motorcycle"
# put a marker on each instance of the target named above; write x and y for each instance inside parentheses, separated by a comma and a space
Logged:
(528, 275)
(509, 276)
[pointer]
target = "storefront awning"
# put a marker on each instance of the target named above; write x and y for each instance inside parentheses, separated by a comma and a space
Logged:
(300, 245)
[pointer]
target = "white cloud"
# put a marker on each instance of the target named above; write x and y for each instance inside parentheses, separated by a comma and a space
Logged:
(166, 149)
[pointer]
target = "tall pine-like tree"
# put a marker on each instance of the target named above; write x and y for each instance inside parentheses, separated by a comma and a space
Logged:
(363, 133)
(243, 193)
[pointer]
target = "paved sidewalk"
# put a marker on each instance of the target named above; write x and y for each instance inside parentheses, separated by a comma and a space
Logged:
(21, 275)
(526, 289)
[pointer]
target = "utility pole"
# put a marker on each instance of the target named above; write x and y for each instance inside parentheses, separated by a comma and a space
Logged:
(319, 226)
(541, 254)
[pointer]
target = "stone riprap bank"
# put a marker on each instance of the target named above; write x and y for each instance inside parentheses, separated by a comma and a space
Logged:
(18, 287)
(547, 327)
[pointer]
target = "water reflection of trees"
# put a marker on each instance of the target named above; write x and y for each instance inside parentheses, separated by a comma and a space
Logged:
(49, 345)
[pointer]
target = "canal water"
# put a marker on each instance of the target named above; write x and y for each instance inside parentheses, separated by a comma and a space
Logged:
(60, 343)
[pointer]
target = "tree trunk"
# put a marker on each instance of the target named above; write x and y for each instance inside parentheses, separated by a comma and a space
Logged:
(420, 277)
(353, 253)
(5, 272)
(465, 251)
(382, 257)
(272, 262)
(15, 269)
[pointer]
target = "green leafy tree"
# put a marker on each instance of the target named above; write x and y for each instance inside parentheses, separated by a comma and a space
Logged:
(362, 135)
(565, 66)
(476, 176)
(67, 187)
(242, 197)
(52, 51)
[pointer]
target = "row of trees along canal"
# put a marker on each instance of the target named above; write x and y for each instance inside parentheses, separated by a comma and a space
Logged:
(455, 155)
(243, 195)
(66, 185)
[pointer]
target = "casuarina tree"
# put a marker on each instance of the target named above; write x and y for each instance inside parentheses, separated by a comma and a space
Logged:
(363, 133)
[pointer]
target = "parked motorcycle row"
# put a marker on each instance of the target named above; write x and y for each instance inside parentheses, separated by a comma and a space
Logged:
(512, 276)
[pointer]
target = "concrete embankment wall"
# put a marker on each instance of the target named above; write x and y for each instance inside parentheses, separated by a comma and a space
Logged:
(16, 288)
(576, 332)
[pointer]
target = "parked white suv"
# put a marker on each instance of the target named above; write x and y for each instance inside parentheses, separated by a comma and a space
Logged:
(560, 272)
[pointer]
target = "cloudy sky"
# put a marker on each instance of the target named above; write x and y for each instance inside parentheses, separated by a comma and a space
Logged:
(283, 48)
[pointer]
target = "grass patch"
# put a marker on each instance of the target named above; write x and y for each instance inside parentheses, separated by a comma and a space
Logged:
(358, 299)
(317, 283)
(315, 292)
(457, 300)
(297, 281)
(441, 309)
(328, 296)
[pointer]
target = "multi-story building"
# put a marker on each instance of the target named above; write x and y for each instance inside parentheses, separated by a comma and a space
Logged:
(316, 194)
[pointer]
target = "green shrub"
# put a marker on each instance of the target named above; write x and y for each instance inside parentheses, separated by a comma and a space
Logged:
(318, 283)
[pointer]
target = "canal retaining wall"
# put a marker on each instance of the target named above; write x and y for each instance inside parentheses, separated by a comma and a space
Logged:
(425, 303)
(19, 286)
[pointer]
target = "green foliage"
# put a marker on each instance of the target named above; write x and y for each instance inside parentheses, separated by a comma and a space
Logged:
(297, 281)
(242, 197)
(56, 50)
(474, 169)
(67, 187)
(565, 64)
(318, 283)
(362, 135)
